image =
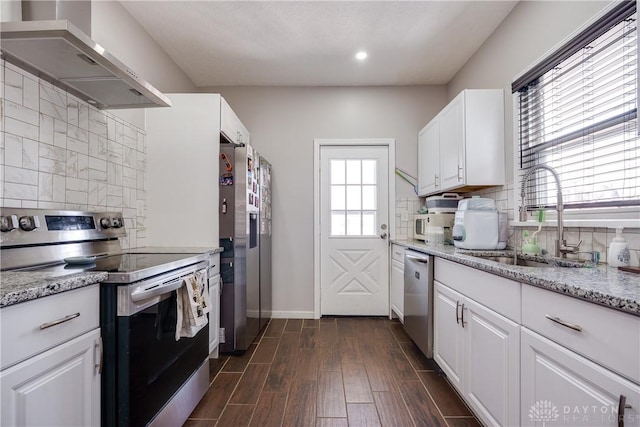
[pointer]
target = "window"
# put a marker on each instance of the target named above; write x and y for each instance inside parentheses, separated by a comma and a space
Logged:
(577, 113)
(353, 197)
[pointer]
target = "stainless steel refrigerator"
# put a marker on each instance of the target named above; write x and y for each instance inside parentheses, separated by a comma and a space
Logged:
(245, 235)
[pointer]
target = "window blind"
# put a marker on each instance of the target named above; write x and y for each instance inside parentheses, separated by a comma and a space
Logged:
(579, 116)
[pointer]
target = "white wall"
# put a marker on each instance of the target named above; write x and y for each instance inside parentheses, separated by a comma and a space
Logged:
(284, 122)
(116, 30)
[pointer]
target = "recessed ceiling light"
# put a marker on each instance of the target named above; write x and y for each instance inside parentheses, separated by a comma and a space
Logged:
(361, 55)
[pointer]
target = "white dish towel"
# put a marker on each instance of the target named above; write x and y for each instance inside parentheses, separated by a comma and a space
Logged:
(193, 304)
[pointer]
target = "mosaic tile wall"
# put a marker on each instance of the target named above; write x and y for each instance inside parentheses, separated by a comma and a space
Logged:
(58, 152)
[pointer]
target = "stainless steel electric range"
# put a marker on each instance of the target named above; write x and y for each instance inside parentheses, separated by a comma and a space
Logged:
(148, 377)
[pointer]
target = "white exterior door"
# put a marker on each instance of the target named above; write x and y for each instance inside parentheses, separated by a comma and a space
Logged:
(354, 230)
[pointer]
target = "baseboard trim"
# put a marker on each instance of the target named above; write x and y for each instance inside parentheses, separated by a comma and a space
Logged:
(292, 314)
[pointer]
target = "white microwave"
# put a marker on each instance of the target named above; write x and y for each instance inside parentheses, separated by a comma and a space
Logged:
(434, 227)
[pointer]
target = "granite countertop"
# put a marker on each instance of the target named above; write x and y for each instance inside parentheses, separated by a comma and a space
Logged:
(21, 286)
(600, 284)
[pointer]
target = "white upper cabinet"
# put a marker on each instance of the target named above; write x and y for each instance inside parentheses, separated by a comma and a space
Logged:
(463, 146)
(231, 126)
(429, 158)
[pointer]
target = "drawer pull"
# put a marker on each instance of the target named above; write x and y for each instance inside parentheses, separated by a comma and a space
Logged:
(462, 315)
(563, 323)
(57, 322)
(457, 317)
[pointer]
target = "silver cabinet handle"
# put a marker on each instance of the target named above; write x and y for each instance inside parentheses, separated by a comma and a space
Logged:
(622, 405)
(459, 175)
(100, 355)
(435, 180)
(457, 317)
(563, 323)
(59, 321)
(462, 322)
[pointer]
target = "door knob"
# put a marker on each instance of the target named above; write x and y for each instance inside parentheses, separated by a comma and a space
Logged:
(383, 235)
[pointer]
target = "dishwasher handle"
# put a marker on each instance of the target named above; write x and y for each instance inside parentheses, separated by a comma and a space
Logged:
(423, 259)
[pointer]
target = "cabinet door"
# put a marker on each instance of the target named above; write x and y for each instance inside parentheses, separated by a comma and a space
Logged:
(561, 388)
(396, 292)
(429, 158)
(214, 314)
(452, 133)
(492, 364)
(447, 337)
(58, 387)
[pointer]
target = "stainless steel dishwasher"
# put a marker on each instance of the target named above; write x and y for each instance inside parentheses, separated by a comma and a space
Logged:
(418, 300)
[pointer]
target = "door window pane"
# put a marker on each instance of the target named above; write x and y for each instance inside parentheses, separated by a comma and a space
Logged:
(368, 171)
(369, 197)
(337, 171)
(353, 224)
(353, 197)
(368, 223)
(353, 172)
(337, 224)
(338, 197)
(354, 205)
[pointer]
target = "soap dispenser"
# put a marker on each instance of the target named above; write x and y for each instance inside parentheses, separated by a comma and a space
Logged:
(619, 255)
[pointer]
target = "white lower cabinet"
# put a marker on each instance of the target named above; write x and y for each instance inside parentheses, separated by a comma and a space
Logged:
(447, 334)
(562, 388)
(491, 364)
(479, 351)
(396, 283)
(60, 387)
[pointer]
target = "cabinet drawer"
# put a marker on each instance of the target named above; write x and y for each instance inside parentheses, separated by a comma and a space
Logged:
(24, 325)
(397, 253)
(607, 336)
(214, 263)
(497, 293)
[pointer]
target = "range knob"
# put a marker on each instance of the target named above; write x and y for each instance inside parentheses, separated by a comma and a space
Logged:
(8, 223)
(116, 222)
(105, 222)
(29, 223)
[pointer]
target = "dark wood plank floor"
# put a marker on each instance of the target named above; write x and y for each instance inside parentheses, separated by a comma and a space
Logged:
(344, 371)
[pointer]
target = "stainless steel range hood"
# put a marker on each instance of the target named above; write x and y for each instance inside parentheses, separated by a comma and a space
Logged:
(59, 52)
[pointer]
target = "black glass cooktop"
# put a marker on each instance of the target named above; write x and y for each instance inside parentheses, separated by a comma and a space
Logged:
(130, 263)
(129, 267)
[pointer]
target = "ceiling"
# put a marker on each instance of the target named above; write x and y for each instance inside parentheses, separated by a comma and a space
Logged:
(313, 43)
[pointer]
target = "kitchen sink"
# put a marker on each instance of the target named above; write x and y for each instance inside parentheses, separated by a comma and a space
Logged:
(534, 261)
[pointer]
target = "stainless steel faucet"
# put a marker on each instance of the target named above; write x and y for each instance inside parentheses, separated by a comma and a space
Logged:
(562, 249)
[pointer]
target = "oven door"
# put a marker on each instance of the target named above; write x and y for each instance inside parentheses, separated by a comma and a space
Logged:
(144, 364)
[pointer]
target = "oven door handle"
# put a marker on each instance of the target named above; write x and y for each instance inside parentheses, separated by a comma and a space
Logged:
(154, 290)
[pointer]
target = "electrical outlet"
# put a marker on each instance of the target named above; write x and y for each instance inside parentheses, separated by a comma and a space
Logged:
(140, 208)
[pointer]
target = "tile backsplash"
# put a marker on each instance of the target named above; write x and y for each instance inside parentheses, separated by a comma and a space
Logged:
(593, 239)
(59, 152)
